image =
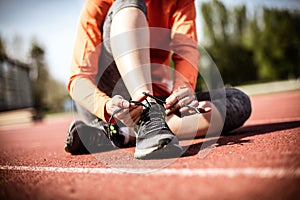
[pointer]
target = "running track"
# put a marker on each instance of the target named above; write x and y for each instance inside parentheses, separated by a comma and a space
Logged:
(261, 160)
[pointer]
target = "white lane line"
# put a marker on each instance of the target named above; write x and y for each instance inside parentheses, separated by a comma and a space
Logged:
(209, 172)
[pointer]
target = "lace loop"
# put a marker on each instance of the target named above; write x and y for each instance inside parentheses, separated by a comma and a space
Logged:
(160, 101)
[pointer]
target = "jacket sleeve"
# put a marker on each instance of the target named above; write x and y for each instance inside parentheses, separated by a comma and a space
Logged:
(184, 45)
(84, 64)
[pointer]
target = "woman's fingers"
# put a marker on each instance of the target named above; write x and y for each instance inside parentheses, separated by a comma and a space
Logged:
(128, 114)
(119, 102)
(179, 99)
(176, 96)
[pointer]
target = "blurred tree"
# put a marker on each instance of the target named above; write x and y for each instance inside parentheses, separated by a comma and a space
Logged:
(206, 11)
(246, 49)
(240, 24)
(49, 94)
(233, 58)
(222, 21)
(2, 47)
(277, 50)
(40, 80)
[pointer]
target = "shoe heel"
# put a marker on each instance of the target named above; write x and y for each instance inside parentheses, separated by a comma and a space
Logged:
(162, 143)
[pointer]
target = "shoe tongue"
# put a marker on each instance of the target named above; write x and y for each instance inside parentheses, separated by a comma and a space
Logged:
(157, 107)
(157, 111)
(154, 110)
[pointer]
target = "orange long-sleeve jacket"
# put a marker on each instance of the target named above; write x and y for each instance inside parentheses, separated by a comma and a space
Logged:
(181, 41)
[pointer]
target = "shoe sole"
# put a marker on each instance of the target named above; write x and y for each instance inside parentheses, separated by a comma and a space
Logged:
(85, 143)
(170, 150)
(70, 136)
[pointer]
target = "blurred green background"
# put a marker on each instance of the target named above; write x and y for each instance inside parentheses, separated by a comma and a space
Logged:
(248, 44)
(263, 46)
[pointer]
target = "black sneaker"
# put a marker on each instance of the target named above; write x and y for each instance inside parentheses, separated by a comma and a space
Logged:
(84, 139)
(154, 138)
(116, 135)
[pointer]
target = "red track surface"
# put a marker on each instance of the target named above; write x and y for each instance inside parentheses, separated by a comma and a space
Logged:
(259, 161)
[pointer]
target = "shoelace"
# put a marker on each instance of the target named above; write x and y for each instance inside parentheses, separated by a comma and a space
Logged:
(197, 110)
(158, 100)
(111, 129)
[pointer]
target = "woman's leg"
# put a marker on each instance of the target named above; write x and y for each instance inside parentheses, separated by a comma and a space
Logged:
(197, 125)
(129, 45)
(129, 39)
(238, 110)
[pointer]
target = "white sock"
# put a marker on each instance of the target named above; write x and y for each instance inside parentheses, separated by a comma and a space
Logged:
(126, 132)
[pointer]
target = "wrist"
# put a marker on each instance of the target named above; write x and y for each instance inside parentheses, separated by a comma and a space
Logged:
(106, 114)
(179, 87)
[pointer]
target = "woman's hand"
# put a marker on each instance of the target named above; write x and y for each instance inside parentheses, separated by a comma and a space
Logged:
(129, 114)
(179, 98)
